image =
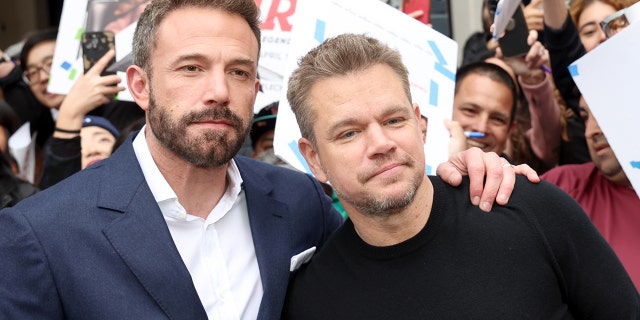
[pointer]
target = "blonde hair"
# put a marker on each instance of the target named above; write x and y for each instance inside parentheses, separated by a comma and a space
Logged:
(341, 55)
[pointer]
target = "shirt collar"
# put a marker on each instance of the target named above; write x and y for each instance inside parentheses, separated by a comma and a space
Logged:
(163, 193)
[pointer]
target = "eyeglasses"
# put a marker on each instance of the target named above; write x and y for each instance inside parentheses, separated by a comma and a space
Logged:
(614, 23)
(32, 74)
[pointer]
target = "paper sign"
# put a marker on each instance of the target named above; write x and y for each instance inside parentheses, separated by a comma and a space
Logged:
(504, 11)
(78, 16)
(430, 57)
(607, 78)
(22, 147)
(94, 15)
(276, 17)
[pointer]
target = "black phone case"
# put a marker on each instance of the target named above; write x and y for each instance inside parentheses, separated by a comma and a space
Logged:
(94, 46)
(514, 41)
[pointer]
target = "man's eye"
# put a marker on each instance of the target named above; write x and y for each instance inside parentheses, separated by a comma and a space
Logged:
(191, 68)
(241, 73)
(395, 121)
(588, 33)
(469, 111)
(347, 135)
(499, 120)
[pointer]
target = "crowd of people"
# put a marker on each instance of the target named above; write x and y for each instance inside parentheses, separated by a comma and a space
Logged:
(154, 209)
(561, 137)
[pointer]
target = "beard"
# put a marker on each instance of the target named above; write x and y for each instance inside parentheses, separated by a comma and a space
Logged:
(376, 205)
(208, 149)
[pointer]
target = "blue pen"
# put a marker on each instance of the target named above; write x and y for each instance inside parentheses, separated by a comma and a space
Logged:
(474, 134)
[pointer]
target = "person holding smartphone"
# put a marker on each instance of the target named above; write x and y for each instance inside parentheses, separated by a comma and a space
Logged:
(92, 93)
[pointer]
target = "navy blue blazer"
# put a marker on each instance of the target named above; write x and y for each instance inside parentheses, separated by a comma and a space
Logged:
(96, 246)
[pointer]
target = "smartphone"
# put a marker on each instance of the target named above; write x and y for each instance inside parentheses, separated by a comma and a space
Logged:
(410, 6)
(94, 46)
(514, 42)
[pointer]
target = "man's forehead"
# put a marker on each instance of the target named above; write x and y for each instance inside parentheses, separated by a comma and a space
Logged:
(187, 23)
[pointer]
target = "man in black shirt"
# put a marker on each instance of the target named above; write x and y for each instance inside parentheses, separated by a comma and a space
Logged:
(414, 247)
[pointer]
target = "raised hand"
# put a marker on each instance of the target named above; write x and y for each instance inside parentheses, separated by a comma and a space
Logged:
(90, 91)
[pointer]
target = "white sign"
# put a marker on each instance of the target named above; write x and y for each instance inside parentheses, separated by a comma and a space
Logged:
(607, 78)
(22, 146)
(78, 16)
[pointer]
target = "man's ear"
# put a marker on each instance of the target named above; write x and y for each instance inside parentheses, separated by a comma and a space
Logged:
(418, 115)
(313, 160)
(257, 89)
(138, 86)
(416, 111)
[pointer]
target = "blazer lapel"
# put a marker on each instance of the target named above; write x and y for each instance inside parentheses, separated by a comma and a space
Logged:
(141, 237)
(271, 234)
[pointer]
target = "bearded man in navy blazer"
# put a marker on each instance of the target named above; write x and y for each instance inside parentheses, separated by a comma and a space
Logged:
(172, 225)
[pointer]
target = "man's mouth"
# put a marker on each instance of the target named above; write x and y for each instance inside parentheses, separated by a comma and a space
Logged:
(386, 168)
(476, 143)
(600, 143)
(600, 146)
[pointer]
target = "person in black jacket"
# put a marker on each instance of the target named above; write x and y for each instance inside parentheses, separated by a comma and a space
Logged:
(12, 188)
(64, 157)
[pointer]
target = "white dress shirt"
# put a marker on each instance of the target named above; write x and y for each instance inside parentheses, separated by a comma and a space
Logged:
(218, 251)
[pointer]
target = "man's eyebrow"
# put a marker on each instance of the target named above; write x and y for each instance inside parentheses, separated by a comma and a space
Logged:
(331, 131)
(354, 120)
(201, 57)
(244, 61)
(397, 109)
(188, 57)
(470, 104)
